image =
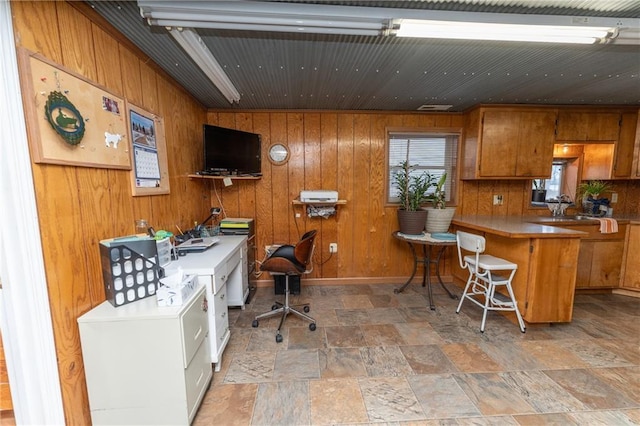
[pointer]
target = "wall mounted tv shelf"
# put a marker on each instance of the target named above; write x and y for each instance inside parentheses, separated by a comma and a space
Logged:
(233, 177)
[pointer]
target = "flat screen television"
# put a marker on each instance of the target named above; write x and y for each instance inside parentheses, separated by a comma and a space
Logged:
(229, 151)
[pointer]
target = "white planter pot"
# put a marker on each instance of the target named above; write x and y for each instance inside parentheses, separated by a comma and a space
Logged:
(439, 220)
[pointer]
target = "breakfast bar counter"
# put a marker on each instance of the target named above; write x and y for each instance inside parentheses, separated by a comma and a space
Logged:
(547, 259)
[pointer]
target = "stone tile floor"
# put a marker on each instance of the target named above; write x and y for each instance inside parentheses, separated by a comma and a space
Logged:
(382, 358)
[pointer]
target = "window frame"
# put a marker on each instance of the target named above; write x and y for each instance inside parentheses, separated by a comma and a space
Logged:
(453, 173)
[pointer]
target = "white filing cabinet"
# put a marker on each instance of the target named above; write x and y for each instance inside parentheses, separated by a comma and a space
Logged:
(146, 364)
(220, 268)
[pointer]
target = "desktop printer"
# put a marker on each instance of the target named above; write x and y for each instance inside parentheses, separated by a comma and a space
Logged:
(319, 196)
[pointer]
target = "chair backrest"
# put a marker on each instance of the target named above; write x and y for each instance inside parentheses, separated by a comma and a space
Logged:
(470, 242)
(303, 250)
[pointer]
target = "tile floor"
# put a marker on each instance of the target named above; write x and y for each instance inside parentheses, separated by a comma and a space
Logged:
(377, 357)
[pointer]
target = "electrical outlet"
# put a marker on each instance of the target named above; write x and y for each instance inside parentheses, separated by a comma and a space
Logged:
(333, 248)
(614, 197)
(497, 200)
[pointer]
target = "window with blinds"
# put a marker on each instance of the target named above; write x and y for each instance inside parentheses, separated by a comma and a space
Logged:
(435, 153)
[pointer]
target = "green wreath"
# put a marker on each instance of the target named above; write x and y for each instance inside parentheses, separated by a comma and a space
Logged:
(70, 128)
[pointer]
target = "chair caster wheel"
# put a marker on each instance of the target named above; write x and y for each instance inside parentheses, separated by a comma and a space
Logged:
(306, 309)
(274, 307)
(254, 324)
(278, 338)
(312, 326)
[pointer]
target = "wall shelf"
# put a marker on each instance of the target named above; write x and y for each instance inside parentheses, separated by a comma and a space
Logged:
(232, 177)
(317, 203)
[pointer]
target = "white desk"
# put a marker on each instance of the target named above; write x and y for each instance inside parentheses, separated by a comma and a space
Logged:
(223, 269)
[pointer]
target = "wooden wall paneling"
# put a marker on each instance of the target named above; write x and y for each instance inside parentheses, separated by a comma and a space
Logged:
(281, 202)
(499, 187)
(61, 228)
(97, 221)
(130, 70)
(468, 197)
(107, 61)
(263, 215)
(329, 179)
(519, 197)
(296, 178)
(485, 198)
(313, 181)
(346, 181)
(35, 27)
(362, 193)
(149, 85)
(379, 234)
(75, 34)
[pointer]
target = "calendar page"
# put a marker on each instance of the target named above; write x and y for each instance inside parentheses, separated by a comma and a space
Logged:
(145, 151)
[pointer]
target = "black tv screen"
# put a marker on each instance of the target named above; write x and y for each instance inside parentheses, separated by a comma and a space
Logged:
(229, 151)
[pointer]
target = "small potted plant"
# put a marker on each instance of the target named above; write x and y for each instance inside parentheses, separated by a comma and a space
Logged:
(589, 192)
(539, 192)
(439, 217)
(412, 191)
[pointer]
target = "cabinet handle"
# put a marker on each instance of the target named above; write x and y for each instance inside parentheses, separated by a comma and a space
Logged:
(224, 314)
(222, 296)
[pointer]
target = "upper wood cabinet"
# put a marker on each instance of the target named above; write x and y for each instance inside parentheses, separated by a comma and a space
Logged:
(502, 142)
(576, 126)
(625, 164)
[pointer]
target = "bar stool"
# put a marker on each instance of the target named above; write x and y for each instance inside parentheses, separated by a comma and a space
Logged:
(485, 273)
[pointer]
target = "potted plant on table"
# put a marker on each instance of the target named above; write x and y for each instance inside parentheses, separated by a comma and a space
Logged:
(439, 217)
(412, 192)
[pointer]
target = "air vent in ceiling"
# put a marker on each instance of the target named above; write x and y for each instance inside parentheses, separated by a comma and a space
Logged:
(434, 107)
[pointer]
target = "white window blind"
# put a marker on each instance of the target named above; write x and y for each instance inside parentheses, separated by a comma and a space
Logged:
(435, 153)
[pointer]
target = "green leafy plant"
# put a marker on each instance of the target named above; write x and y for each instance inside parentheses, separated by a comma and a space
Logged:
(593, 188)
(412, 189)
(438, 197)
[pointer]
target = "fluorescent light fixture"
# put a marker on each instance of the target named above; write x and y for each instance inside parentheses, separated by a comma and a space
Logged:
(378, 21)
(202, 56)
(503, 32)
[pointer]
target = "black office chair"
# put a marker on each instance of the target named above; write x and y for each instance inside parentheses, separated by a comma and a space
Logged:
(289, 260)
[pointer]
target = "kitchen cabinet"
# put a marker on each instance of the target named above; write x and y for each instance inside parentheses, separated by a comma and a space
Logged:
(509, 143)
(594, 125)
(630, 277)
(624, 158)
(600, 257)
(146, 364)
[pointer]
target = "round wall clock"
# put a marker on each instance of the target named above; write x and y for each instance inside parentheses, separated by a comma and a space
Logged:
(278, 153)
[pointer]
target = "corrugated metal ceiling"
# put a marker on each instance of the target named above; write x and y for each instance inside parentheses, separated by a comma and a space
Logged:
(312, 71)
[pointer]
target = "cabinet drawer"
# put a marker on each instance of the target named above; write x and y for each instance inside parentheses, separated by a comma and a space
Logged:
(234, 260)
(221, 315)
(197, 377)
(194, 327)
(216, 281)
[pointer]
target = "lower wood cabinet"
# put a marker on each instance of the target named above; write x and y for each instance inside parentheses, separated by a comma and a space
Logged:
(146, 365)
(600, 257)
(631, 263)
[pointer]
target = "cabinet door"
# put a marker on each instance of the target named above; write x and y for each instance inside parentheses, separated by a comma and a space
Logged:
(517, 143)
(631, 274)
(597, 161)
(535, 143)
(606, 264)
(588, 126)
(623, 161)
(583, 274)
(499, 143)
